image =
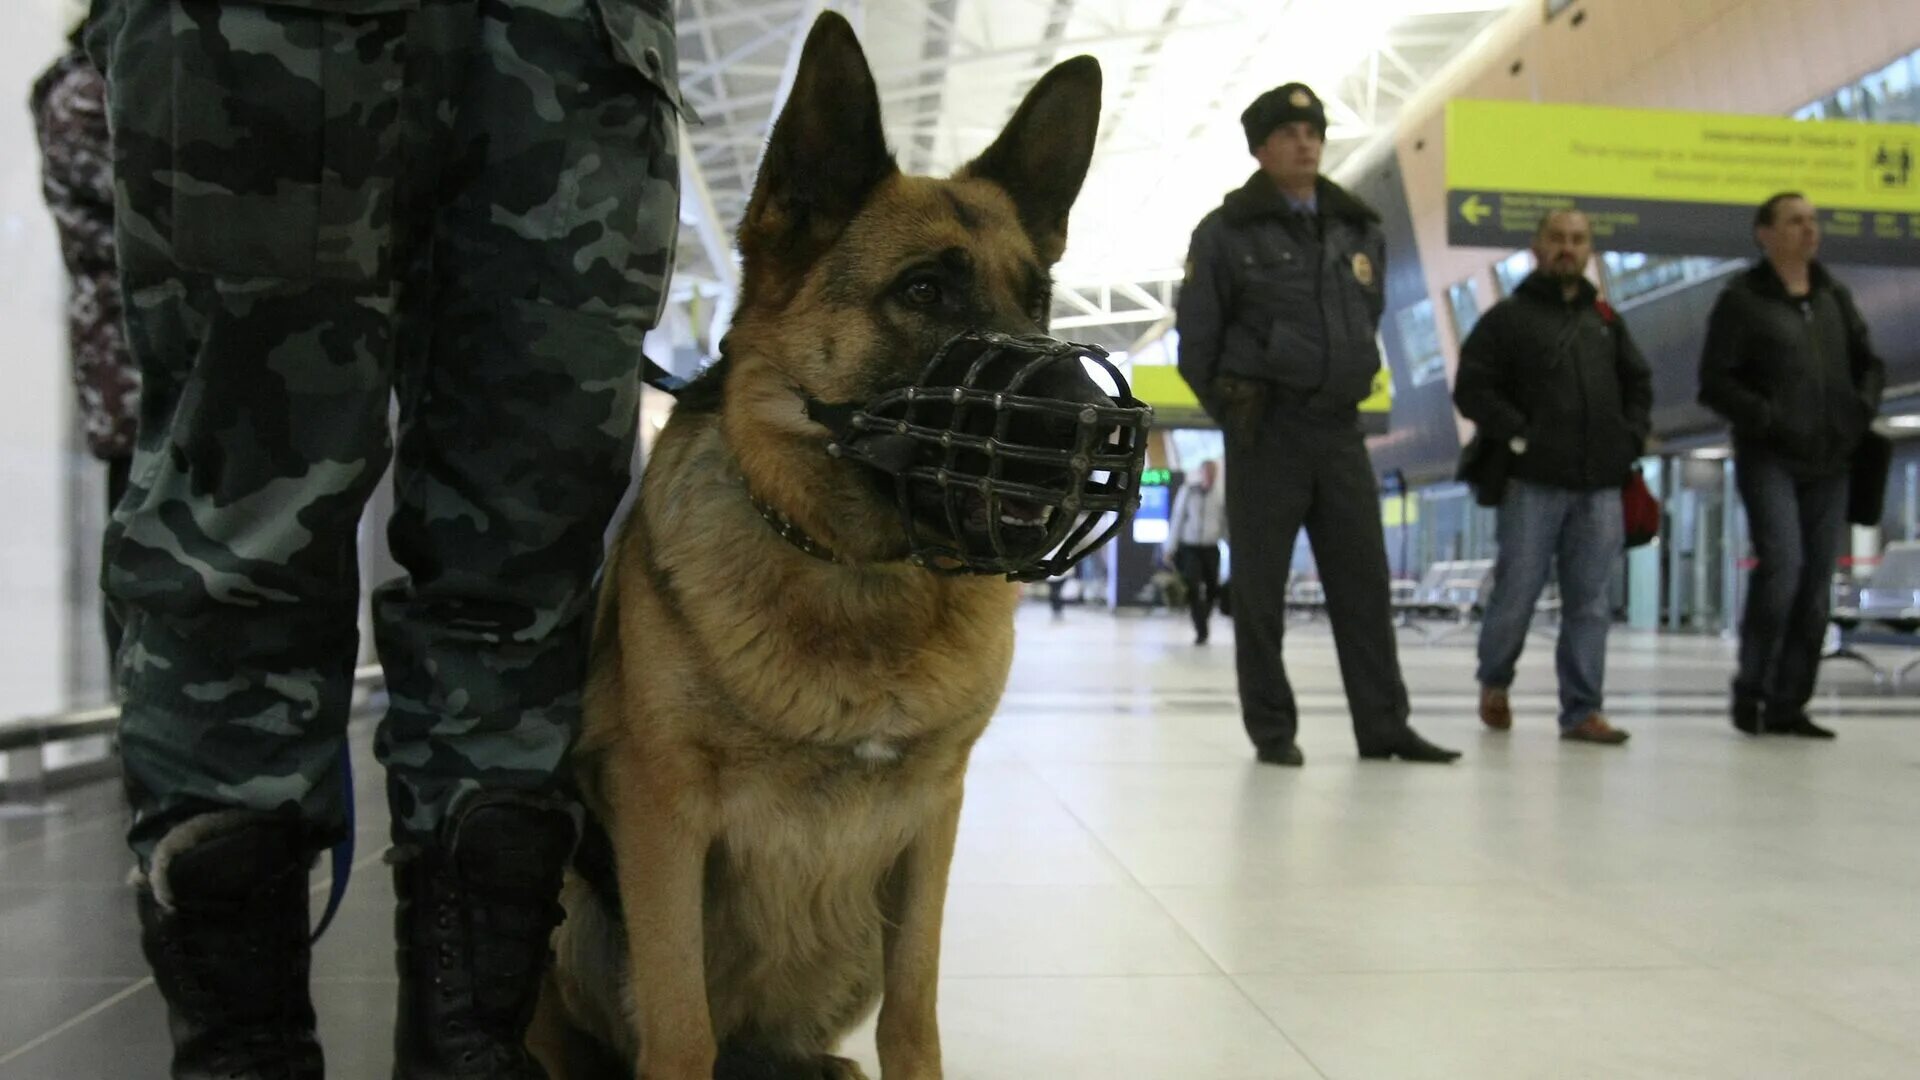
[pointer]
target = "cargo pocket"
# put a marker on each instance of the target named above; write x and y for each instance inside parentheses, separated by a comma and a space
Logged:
(286, 135)
(641, 33)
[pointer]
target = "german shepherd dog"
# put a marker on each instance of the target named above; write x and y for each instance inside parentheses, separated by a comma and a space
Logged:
(785, 690)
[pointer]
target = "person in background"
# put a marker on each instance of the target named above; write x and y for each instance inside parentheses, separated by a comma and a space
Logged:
(1551, 378)
(1279, 318)
(1057, 595)
(1195, 527)
(69, 105)
(1789, 363)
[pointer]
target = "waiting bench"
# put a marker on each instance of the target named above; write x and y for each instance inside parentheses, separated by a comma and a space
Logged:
(1886, 613)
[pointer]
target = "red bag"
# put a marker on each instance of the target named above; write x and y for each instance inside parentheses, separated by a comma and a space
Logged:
(1639, 511)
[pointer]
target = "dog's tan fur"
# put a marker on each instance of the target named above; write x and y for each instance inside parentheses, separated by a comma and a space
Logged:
(775, 744)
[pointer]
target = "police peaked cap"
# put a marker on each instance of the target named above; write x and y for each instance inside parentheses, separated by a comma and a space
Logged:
(1283, 105)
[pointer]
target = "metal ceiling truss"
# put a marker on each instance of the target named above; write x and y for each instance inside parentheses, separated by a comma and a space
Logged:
(739, 59)
(1139, 299)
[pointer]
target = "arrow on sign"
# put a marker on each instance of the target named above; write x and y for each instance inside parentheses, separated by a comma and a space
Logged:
(1474, 210)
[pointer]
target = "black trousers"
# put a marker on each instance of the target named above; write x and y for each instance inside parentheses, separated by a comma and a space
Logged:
(1057, 595)
(1799, 527)
(1199, 566)
(1303, 469)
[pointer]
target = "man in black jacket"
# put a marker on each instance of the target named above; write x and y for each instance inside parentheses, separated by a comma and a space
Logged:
(1277, 322)
(1552, 380)
(1789, 364)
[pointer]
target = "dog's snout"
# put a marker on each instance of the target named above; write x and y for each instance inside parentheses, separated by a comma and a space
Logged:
(1069, 380)
(1065, 381)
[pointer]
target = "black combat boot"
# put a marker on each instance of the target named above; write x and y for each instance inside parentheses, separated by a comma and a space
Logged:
(477, 911)
(223, 922)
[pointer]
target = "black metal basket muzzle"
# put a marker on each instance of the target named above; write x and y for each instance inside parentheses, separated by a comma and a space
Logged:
(1007, 457)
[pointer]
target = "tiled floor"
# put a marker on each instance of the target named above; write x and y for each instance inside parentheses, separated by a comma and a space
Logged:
(1134, 899)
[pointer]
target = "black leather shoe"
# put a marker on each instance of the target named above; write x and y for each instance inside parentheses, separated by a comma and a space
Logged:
(1747, 717)
(1288, 756)
(1800, 726)
(1411, 747)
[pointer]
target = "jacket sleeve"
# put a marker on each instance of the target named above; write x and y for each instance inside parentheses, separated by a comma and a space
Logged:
(1377, 296)
(1205, 302)
(1721, 387)
(1483, 391)
(1869, 370)
(76, 178)
(1636, 384)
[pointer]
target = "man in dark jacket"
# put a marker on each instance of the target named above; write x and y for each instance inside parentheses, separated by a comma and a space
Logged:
(1277, 322)
(1789, 363)
(1551, 379)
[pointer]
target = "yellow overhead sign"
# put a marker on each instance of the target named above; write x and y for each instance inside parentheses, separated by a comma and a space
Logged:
(1680, 156)
(1161, 386)
(1646, 176)
(1174, 403)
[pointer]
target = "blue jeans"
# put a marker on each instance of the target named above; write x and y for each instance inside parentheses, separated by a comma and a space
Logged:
(1799, 528)
(1540, 524)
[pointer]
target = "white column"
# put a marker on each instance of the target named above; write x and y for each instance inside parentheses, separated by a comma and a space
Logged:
(36, 411)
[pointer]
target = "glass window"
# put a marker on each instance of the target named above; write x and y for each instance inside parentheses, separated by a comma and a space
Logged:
(1873, 97)
(1191, 446)
(1632, 274)
(1466, 308)
(1902, 104)
(1421, 338)
(1513, 270)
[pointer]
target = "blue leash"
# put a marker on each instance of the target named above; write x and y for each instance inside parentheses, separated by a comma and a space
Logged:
(342, 851)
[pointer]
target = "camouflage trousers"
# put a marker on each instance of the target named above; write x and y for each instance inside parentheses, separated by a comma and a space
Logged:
(467, 207)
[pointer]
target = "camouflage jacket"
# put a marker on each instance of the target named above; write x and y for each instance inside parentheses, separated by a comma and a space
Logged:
(69, 112)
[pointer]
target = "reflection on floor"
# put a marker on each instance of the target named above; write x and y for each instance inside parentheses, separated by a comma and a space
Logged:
(1134, 899)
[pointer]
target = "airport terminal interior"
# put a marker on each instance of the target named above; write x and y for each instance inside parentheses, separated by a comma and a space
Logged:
(1134, 895)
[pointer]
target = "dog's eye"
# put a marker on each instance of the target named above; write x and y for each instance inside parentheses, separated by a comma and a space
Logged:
(924, 291)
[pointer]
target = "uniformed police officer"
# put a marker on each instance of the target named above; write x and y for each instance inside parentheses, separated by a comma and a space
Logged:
(1277, 324)
(324, 205)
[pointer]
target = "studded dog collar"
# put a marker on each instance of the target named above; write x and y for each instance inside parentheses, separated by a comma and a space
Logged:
(792, 533)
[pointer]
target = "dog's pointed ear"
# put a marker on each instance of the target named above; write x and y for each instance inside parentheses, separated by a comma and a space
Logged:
(827, 154)
(1041, 158)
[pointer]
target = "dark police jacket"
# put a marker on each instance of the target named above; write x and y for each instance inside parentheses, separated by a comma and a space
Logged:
(1798, 378)
(1290, 302)
(1564, 375)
